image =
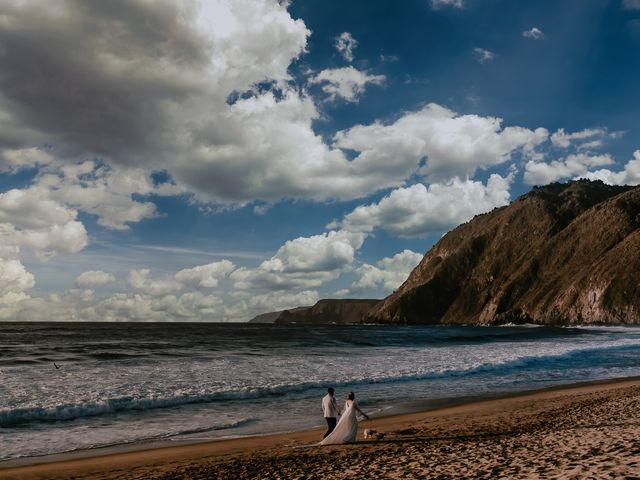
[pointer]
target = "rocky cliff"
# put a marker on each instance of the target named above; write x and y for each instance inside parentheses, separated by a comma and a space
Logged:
(561, 254)
(327, 311)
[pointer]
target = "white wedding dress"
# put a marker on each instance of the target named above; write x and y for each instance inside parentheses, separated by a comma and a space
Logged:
(347, 427)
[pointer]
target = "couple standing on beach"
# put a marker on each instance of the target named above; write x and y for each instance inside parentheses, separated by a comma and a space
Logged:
(346, 429)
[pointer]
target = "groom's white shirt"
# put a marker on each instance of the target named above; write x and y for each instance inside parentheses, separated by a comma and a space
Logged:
(329, 406)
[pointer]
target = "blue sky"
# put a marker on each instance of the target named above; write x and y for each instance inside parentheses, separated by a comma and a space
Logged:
(183, 161)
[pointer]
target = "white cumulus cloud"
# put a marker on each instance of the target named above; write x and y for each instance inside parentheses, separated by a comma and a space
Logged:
(630, 175)
(304, 262)
(31, 209)
(105, 192)
(347, 83)
(123, 307)
(205, 276)
(586, 139)
(28, 218)
(483, 55)
(12, 160)
(388, 273)
(453, 144)
(141, 280)
(346, 44)
(14, 278)
(535, 33)
(575, 165)
(419, 210)
(94, 278)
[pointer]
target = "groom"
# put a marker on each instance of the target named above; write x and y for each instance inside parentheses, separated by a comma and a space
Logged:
(330, 410)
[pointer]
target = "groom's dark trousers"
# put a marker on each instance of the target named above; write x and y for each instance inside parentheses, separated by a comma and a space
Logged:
(331, 424)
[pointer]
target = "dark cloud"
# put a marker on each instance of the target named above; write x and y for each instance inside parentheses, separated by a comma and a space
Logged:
(145, 83)
(95, 77)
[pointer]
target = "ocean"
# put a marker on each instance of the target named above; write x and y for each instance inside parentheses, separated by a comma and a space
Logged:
(131, 382)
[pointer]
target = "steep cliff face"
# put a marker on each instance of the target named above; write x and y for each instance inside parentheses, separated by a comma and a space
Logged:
(561, 254)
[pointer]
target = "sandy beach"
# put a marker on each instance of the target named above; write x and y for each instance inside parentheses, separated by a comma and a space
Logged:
(583, 431)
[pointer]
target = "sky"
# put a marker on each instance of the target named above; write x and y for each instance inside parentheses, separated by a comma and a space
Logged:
(183, 160)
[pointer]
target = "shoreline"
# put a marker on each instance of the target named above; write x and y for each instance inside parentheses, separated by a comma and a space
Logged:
(99, 462)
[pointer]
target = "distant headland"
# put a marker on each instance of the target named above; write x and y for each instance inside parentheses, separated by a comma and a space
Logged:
(326, 311)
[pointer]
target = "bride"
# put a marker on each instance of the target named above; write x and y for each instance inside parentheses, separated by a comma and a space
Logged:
(347, 427)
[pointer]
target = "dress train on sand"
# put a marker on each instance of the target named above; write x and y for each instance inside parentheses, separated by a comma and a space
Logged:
(347, 427)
